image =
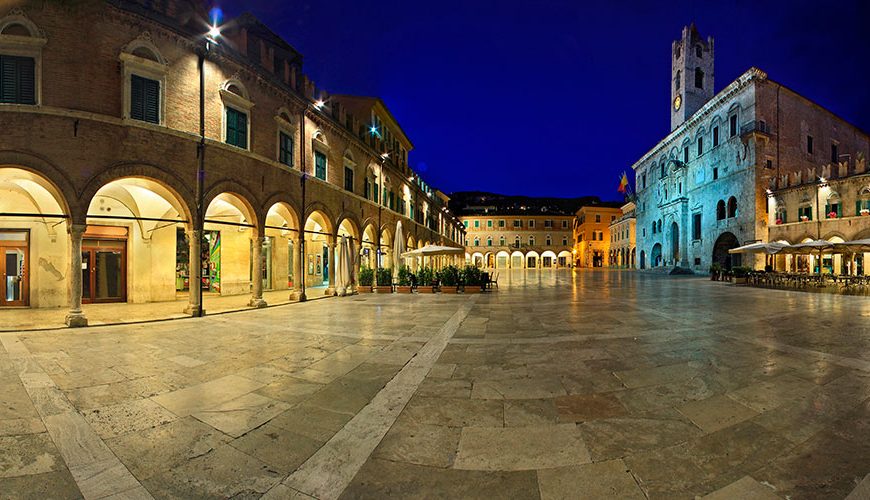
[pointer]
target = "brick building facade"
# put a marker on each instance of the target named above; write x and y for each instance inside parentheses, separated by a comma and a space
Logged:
(101, 148)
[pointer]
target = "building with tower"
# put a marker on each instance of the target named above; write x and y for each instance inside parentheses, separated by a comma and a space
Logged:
(703, 189)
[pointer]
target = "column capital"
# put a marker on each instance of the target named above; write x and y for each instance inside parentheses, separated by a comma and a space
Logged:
(76, 230)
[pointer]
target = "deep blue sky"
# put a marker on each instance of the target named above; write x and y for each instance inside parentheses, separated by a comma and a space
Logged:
(557, 98)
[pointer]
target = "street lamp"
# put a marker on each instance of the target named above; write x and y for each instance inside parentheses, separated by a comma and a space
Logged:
(380, 197)
(199, 218)
(821, 184)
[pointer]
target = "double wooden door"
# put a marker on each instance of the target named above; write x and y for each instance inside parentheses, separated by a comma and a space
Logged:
(14, 249)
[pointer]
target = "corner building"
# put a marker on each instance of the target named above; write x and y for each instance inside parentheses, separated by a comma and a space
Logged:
(702, 189)
(101, 147)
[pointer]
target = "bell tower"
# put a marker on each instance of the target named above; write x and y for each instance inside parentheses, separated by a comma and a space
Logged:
(691, 74)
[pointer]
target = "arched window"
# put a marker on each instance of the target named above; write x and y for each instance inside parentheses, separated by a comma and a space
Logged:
(654, 227)
(662, 171)
(489, 241)
(862, 205)
(677, 52)
(21, 45)
(720, 210)
(699, 78)
(477, 242)
(732, 207)
(660, 225)
(781, 213)
(699, 51)
(236, 129)
(531, 240)
(834, 206)
(501, 241)
(678, 80)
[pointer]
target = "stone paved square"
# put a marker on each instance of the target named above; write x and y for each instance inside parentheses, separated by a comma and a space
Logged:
(561, 384)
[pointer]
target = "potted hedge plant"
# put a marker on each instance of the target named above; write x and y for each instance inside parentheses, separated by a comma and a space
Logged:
(426, 280)
(366, 278)
(715, 271)
(385, 281)
(404, 277)
(740, 275)
(449, 278)
(472, 279)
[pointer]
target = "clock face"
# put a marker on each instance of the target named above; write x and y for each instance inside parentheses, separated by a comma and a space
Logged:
(678, 101)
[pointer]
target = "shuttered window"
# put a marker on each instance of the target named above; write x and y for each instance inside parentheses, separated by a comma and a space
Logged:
(285, 149)
(320, 165)
(17, 80)
(237, 128)
(144, 99)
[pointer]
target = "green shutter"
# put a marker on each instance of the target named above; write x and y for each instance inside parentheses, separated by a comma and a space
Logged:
(137, 98)
(231, 126)
(243, 130)
(152, 101)
(858, 207)
(17, 80)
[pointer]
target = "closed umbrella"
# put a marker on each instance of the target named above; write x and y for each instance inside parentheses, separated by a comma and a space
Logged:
(398, 247)
(340, 282)
(353, 253)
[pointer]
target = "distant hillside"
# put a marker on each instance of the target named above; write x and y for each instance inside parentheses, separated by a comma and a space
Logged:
(481, 202)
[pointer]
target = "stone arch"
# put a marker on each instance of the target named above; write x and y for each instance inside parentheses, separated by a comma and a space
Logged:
(234, 187)
(318, 206)
(283, 210)
(322, 218)
(350, 224)
(655, 259)
(57, 179)
(160, 175)
(835, 234)
(726, 241)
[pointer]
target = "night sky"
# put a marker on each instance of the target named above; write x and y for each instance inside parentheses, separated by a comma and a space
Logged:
(549, 98)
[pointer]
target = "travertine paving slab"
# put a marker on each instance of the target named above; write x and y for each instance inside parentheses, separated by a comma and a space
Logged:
(521, 448)
(238, 416)
(745, 487)
(206, 395)
(580, 408)
(610, 479)
(421, 444)
(716, 413)
(28, 454)
(523, 388)
(111, 421)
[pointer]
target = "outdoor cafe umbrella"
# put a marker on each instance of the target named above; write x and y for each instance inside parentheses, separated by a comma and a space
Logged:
(809, 247)
(398, 247)
(433, 250)
(342, 276)
(854, 246)
(353, 255)
(768, 248)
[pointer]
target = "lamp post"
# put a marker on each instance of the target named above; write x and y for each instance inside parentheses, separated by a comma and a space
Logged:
(822, 183)
(317, 105)
(197, 309)
(380, 197)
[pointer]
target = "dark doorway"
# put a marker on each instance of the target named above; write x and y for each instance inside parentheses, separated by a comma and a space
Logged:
(726, 241)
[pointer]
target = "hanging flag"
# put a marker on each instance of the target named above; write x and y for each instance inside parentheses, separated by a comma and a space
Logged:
(623, 183)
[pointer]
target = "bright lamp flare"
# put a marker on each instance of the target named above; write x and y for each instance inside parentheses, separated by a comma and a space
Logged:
(214, 32)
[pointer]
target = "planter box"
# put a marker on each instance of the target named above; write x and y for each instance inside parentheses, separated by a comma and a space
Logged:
(426, 289)
(739, 281)
(449, 289)
(403, 289)
(384, 288)
(364, 289)
(472, 289)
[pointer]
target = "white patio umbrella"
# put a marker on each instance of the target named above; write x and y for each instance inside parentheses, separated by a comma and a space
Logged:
(768, 248)
(809, 247)
(854, 246)
(433, 250)
(398, 247)
(342, 276)
(353, 255)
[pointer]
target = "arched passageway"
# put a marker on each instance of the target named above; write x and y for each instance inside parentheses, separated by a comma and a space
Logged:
(227, 245)
(656, 255)
(726, 241)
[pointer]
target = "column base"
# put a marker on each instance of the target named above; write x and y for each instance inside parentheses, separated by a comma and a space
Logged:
(76, 320)
(194, 311)
(257, 303)
(330, 291)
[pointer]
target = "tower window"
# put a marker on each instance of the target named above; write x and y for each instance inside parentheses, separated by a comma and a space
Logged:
(677, 80)
(698, 51)
(834, 156)
(715, 173)
(810, 144)
(699, 78)
(677, 52)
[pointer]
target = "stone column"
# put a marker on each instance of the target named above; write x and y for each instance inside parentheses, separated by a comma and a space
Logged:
(257, 278)
(194, 275)
(75, 317)
(357, 261)
(331, 244)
